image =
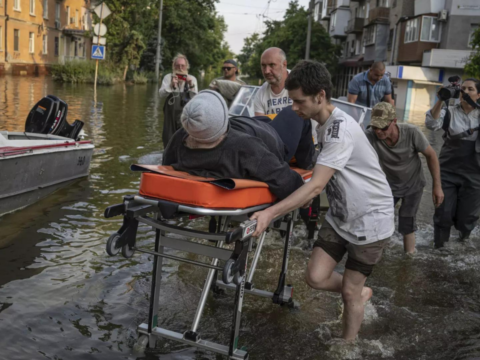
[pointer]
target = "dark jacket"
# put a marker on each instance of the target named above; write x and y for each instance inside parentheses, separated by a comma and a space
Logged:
(239, 156)
(296, 134)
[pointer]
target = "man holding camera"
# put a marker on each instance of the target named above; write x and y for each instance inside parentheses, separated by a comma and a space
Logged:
(178, 88)
(397, 146)
(459, 159)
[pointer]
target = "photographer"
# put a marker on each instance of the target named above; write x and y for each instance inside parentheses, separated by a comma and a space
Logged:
(178, 88)
(459, 159)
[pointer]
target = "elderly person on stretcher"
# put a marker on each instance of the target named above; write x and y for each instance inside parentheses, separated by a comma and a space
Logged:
(212, 145)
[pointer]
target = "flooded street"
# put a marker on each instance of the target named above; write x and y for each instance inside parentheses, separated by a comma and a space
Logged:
(63, 297)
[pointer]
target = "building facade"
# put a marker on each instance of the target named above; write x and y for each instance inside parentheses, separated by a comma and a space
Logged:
(422, 42)
(37, 33)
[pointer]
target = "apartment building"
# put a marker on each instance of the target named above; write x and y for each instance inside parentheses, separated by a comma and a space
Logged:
(37, 33)
(423, 42)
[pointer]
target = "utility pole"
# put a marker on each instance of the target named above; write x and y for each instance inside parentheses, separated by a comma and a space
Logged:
(157, 59)
(309, 31)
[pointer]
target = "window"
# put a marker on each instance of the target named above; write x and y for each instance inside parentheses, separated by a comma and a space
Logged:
(68, 15)
(32, 7)
(16, 40)
(430, 29)
(31, 43)
(382, 3)
(57, 11)
(76, 18)
(56, 46)
(471, 36)
(369, 35)
(16, 5)
(45, 9)
(411, 31)
(45, 44)
(394, 4)
(390, 40)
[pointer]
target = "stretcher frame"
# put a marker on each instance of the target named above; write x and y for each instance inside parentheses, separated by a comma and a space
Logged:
(136, 209)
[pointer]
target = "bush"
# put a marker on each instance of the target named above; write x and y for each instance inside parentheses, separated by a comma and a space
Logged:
(84, 72)
(139, 78)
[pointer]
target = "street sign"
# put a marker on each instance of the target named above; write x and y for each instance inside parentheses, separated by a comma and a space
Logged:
(102, 14)
(100, 29)
(98, 52)
(103, 41)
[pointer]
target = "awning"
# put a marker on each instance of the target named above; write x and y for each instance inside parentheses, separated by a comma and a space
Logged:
(426, 82)
(353, 61)
(74, 32)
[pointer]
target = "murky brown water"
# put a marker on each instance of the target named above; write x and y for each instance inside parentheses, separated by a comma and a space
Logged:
(62, 297)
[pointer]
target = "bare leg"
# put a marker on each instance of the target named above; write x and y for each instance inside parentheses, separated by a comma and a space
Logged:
(409, 243)
(354, 297)
(320, 274)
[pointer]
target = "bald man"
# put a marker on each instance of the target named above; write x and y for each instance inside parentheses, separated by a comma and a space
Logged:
(370, 87)
(272, 96)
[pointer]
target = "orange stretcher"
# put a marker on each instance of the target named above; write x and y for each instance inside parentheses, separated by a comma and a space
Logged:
(167, 194)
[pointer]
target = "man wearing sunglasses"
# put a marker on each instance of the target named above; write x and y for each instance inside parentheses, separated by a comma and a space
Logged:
(397, 146)
(228, 85)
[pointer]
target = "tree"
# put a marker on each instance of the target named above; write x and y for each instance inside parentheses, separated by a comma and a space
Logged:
(472, 67)
(290, 34)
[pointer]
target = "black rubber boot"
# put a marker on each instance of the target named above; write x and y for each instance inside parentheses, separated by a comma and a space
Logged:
(464, 236)
(440, 236)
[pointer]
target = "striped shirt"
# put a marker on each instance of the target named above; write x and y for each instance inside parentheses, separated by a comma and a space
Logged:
(358, 86)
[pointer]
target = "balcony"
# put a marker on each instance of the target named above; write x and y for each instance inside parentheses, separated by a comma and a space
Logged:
(327, 9)
(355, 26)
(379, 15)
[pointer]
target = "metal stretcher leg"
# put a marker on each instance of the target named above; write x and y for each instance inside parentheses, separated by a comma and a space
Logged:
(155, 289)
(256, 257)
(283, 293)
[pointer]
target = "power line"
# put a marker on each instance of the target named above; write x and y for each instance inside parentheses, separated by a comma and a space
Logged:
(256, 7)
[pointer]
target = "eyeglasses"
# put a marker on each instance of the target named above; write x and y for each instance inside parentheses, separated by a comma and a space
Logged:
(382, 129)
(228, 68)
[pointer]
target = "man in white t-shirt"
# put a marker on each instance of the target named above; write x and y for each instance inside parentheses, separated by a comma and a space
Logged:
(361, 215)
(272, 96)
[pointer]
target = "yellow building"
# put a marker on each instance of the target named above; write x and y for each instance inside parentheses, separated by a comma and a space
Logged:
(37, 33)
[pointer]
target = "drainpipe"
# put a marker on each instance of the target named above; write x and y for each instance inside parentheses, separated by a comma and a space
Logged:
(392, 55)
(6, 32)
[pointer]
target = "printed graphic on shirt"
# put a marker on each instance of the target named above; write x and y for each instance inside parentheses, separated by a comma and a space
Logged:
(275, 105)
(334, 132)
(338, 205)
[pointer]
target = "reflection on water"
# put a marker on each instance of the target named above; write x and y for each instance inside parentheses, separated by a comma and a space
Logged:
(62, 297)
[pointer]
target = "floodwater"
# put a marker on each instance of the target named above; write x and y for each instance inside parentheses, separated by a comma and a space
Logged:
(62, 297)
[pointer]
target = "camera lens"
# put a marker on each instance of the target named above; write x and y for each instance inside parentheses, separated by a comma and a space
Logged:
(445, 93)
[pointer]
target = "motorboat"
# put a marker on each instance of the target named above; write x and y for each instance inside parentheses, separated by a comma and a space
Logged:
(46, 156)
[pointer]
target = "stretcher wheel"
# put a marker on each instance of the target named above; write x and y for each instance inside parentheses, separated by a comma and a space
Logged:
(237, 278)
(127, 252)
(227, 269)
(111, 242)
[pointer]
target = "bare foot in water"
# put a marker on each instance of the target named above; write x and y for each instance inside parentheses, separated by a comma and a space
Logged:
(366, 294)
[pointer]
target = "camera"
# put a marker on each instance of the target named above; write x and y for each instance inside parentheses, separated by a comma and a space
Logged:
(182, 77)
(451, 91)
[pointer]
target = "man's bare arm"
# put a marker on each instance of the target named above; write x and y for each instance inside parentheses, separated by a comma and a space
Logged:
(434, 167)
(388, 98)
(351, 98)
(259, 114)
(320, 178)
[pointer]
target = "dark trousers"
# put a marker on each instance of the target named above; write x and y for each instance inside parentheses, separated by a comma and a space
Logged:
(461, 207)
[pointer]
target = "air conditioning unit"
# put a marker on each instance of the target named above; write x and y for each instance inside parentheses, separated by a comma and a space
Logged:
(57, 24)
(442, 15)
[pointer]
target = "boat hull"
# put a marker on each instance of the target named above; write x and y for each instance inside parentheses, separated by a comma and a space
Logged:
(26, 178)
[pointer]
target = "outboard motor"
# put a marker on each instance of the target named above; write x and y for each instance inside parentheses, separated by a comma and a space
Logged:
(49, 116)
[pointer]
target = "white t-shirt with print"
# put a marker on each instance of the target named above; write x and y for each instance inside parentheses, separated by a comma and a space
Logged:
(361, 202)
(266, 102)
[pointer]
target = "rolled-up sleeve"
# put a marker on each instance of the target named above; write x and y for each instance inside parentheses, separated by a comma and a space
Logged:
(354, 87)
(166, 87)
(434, 124)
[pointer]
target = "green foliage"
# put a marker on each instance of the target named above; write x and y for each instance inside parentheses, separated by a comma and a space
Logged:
(139, 78)
(84, 72)
(472, 68)
(290, 34)
(192, 28)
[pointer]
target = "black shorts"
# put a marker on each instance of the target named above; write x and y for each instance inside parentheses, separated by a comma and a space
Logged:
(361, 258)
(407, 214)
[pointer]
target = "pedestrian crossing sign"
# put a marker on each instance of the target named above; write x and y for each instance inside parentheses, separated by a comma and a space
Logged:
(98, 52)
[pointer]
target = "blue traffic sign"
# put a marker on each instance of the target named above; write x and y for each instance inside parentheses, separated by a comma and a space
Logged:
(98, 52)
